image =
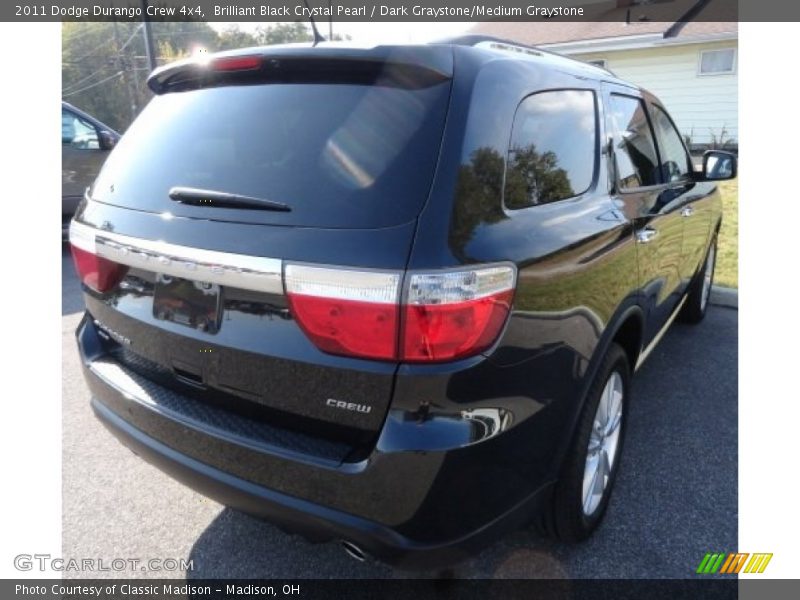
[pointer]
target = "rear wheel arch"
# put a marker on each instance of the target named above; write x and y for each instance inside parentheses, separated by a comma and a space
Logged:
(628, 335)
(562, 517)
(628, 324)
(625, 328)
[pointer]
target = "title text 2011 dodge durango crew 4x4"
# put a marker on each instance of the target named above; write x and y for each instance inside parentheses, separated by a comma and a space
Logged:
(390, 296)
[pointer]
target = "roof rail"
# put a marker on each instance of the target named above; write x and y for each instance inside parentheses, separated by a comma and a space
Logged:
(503, 45)
(475, 39)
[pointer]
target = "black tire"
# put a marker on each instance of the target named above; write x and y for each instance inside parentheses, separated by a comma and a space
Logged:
(566, 520)
(696, 303)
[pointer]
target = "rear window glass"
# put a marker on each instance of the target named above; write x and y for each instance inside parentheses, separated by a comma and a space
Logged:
(340, 155)
(552, 152)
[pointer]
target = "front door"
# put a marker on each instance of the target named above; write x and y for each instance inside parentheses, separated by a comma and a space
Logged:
(692, 200)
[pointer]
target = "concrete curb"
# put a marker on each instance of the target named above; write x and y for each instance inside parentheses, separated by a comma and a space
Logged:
(724, 296)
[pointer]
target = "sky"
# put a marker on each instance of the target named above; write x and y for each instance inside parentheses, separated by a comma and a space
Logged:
(379, 33)
(371, 32)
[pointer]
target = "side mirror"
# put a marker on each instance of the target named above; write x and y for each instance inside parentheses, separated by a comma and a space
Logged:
(718, 165)
(107, 140)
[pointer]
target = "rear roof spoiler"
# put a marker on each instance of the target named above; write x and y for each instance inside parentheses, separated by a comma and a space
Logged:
(413, 66)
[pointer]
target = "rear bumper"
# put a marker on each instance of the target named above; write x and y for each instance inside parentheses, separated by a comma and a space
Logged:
(295, 515)
(409, 508)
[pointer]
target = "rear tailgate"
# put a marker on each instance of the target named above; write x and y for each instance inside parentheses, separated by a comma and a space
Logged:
(201, 304)
(345, 142)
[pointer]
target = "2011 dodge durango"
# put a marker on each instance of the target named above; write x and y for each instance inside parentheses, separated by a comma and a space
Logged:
(391, 296)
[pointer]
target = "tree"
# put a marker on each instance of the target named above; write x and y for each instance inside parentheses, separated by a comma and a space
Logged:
(186, 36)
(283, 33)
(533, 178)
(104, 64)
(232, 37)
(95, 62)
(477, 200)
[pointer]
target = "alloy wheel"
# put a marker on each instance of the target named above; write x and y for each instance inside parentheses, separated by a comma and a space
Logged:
(603, 443)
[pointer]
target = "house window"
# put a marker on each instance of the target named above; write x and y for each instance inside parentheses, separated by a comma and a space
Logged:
(599, 62)
(717, 62)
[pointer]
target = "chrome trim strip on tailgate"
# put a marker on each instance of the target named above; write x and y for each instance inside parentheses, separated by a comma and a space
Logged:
(255, 273)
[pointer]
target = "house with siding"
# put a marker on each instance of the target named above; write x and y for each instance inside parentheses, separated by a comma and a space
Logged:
(671, 48)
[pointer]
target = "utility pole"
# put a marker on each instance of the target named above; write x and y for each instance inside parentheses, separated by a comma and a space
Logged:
(148, 38)
(123, 67)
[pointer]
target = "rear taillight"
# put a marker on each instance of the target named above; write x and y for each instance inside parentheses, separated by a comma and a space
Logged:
(444, 315)
(455, 314)
(354, 313)
(94, 271)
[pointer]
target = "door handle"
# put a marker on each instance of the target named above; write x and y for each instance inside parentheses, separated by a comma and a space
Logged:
(646, 235)
(687, 211)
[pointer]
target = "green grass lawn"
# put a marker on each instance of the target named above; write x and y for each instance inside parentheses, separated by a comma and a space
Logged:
(727, 272)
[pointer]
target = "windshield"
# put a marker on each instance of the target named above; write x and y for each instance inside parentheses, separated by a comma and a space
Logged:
(339, 155)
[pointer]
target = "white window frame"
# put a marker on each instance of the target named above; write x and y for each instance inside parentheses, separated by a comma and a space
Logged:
(716, 73)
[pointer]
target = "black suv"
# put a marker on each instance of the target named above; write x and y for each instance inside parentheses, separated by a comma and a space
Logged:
(390, 296)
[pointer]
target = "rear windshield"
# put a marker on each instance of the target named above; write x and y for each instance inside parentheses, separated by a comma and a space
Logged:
(340, 155)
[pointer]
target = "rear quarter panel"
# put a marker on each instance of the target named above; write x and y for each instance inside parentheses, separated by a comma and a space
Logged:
(577, 271)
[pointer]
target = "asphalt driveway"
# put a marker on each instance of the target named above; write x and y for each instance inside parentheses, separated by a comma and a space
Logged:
(675, 498)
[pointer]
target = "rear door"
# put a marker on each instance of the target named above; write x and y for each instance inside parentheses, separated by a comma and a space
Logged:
(647, 201)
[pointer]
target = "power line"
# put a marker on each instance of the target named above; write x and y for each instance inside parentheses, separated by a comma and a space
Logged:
(72, 37)
(92, 62)
(177, 33)
(88, 87)
(80, 81)
(135, 31)
(98, 48)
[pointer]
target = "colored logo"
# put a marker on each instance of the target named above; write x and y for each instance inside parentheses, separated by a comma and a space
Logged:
(733, 563)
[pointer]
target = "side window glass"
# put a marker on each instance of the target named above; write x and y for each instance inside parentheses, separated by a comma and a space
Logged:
(78, 133)
(67, 127)
(635, 152)
(674, 158)
(553, 145)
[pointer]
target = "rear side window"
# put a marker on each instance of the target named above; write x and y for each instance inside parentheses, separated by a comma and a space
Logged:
(635, 152)
(553, 146)
(340, 155)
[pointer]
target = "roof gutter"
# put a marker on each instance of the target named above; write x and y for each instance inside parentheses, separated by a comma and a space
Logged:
(609, 43)
(635, 42)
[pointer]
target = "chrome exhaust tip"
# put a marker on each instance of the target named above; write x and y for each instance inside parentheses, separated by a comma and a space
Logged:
(353, 551)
